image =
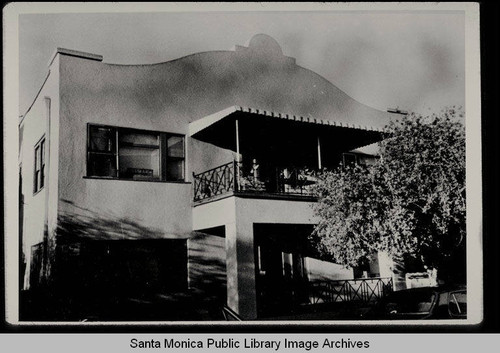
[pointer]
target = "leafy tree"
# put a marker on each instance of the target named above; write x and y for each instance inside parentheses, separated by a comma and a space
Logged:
(410, 202)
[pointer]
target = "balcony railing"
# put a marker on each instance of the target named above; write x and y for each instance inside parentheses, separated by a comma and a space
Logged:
(232, 177)
(215, 181)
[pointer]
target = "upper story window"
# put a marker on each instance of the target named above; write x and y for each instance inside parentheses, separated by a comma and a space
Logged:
(39, 175)
(124, 153)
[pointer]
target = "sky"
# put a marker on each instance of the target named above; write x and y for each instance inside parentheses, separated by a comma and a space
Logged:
(411, 60)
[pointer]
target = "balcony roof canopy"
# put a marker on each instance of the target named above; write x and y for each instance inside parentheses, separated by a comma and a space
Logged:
(267, 134)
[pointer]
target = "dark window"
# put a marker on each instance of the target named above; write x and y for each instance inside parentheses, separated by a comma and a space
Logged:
(175, 158)
(102, 151)
(123, 153)
(39, 175)
(349, 159)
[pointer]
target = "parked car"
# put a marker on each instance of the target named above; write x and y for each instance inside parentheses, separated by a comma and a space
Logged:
(425, 303)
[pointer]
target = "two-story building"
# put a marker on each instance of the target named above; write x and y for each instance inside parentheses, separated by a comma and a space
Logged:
(189, 176)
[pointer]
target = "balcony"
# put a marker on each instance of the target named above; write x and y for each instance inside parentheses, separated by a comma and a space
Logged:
(233, 177)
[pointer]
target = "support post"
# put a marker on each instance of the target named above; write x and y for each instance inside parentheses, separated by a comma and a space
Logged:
(237, 139)
(238, 159)
(319, 154)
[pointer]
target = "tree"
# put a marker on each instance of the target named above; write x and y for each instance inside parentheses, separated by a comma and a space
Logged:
(410, 202)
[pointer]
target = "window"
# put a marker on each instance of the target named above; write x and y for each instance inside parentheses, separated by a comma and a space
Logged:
(39, 176)
(122, 153)
(349, 159)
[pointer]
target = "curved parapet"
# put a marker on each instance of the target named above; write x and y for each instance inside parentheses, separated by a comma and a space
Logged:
(189, 88)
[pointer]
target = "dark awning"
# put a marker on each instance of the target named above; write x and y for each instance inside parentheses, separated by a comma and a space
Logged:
(264, 133)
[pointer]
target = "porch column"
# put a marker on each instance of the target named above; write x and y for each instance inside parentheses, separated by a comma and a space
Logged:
(237, 139)
(238, 156)
(240, 269)
(319, 153)
(231, 267)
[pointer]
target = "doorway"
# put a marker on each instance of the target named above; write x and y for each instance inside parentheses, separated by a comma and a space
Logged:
(281, 274)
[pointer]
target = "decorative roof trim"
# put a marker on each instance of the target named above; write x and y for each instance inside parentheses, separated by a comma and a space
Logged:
(201, 124)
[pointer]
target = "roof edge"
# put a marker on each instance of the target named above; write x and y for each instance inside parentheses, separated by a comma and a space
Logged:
(75, 53)
(202, 123)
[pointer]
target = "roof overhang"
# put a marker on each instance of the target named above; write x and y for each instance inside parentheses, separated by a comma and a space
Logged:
(269, 129)
(203, 123)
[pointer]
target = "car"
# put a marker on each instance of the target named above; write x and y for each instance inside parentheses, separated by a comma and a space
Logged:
(424, 303)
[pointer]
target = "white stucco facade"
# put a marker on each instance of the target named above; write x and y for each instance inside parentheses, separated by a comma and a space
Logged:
(165, 98)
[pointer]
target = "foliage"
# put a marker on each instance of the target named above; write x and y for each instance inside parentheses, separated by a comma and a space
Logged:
(411, 201)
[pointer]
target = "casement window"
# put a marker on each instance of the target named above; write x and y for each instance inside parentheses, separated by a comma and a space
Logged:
(123, 153)
(39, 170)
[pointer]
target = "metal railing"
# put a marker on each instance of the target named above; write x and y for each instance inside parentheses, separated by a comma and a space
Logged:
(363, 290)
(230, 315)
(232, 177)
(215, 181)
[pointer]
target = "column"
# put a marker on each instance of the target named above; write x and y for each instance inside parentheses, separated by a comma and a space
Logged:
(240, 269)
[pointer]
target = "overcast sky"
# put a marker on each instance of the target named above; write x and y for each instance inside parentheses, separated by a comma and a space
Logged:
(411, 60)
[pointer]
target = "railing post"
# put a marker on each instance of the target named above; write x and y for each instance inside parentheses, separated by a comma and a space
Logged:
(236, 174)
(195, 186)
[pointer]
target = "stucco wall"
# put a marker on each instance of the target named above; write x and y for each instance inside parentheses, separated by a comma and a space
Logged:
(274, 211)
(239, 215)
(207, 270)
(206, 156)
(213, 214)
(35, 125)
(324, 270)
(166, 97)
(95, 93)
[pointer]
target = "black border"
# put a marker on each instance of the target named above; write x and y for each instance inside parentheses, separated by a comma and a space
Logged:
(490, 157)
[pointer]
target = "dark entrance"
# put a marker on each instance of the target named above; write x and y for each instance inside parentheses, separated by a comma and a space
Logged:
(281, 276)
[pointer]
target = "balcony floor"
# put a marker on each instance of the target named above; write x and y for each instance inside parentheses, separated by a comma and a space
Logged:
(257, 195)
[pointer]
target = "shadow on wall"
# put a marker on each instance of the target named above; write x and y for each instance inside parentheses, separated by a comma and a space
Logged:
(207, 272)
(82, 223)
(114, 269)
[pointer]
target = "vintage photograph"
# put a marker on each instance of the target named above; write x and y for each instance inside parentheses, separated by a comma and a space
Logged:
(244, 166)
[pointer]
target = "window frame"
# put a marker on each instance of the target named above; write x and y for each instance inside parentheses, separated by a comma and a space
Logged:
(345, 163)
(162, 148)
(39, 159)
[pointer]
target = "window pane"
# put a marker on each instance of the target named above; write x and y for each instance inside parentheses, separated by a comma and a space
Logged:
(175, 170)
(128, 138)
(102, 165)
(175, 146)
(139, 163)
(42, 152)
(42, 176)
(37, 158)
(102, 139)
(35, 182)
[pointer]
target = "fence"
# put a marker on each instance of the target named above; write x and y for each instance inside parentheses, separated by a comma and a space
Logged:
(362, 290)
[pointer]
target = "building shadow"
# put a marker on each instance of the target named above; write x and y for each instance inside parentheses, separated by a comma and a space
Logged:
(114, 269)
